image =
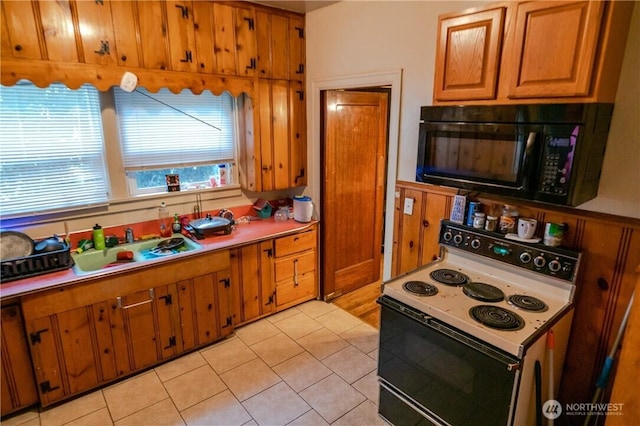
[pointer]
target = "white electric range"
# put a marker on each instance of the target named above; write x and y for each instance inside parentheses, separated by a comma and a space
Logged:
(500, 297)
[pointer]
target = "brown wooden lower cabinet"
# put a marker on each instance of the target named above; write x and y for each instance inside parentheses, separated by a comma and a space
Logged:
(87, 335)
(273, 275)
(415, 237)
(610, 247)
(253, 287)
(18, 385)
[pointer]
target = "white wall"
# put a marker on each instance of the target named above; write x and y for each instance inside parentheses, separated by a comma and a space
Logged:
(363, 37)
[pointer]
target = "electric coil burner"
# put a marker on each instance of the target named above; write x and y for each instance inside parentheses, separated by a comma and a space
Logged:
(528, 303)
(449, 277)
(483, 292)
(496, 317)
(467, 354)
(420, 288)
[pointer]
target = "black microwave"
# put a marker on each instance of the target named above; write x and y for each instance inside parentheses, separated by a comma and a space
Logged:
(551, 153)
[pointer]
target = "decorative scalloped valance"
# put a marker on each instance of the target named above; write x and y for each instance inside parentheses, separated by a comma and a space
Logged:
(43, 73)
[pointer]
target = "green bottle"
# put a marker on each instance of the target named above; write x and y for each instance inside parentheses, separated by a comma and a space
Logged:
(98, 238)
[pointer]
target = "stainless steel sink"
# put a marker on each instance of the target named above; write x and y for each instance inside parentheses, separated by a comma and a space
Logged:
(93, 260)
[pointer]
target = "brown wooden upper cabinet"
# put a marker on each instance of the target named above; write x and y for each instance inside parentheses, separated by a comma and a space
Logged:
(553, 51)
(468, 55)
(280, 46)
(20, 28)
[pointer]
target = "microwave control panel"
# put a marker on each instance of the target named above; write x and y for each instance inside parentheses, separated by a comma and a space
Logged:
(557, 159)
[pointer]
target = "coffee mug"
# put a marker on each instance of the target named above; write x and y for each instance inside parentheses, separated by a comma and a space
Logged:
(526, 228)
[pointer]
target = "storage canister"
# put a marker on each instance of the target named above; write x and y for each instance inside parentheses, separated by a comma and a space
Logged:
(491, 223)
(508, 219)
(479, 220)
(302, 208)
(473, 208)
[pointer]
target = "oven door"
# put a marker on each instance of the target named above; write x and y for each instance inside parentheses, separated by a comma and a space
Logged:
(440, 373)
(497, 158)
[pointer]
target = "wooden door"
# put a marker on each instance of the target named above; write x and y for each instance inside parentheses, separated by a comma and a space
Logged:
(353, 173)
(563, 67)
(204, 41)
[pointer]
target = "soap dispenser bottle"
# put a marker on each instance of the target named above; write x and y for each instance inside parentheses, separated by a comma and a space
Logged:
(165, 220)
(98, 238)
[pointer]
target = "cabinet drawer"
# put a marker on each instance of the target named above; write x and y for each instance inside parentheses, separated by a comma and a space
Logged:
(295, 243)
(288, 294)
(286, 268)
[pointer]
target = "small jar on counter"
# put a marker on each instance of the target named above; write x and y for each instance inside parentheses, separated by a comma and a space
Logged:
(508, 219)
(479, 220)
(491, 223)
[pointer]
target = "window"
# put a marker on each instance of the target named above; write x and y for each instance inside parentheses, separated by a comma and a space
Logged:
(185, 134)
(51, 143)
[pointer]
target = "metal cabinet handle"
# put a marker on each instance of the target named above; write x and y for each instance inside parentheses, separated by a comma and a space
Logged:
(295, 273)
(152, 296)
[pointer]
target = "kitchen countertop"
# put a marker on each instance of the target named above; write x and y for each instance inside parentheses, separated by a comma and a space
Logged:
(242, 234)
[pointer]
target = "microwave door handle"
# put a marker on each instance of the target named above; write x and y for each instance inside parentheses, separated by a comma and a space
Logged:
(528, 150)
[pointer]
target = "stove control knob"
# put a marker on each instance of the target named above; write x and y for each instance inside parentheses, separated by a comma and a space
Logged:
(447, 236)
(554, 266)
(539, 261)
(475, 244)
(525, 257)
(457, 239)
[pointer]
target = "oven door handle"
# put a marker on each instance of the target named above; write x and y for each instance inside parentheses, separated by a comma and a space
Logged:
(412, 405)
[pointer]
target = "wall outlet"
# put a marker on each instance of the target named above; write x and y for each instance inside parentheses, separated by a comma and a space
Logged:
(408, 206)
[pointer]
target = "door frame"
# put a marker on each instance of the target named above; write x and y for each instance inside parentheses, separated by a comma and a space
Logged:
(389, 78)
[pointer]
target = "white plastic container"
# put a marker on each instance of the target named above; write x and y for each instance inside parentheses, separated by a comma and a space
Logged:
(302, 208)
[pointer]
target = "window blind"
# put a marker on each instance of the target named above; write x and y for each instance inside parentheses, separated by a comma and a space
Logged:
(51, 149)
(161, 130)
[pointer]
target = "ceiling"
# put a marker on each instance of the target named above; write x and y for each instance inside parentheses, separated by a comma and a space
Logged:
(296, 6)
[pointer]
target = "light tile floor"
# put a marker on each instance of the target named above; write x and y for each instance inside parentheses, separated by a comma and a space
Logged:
(313, 364)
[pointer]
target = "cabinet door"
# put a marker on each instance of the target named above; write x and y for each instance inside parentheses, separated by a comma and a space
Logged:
(253, 282)
(18, 383)
(409, 232)
(298, 136)
(266, 135)
(279, 47)
(46, 360)
(96, 32)
(125, 33)
(263, 40)
(296, 48)
(436, 207)
(468, 55)
(554, 48)
(295, 277)
(19, 30)
(224, 307)
(280, 124)
(245, 45)
(203, 27)
(134, 331)
(225, 49)
(58, 30)
(182, 45)
(153, 34)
